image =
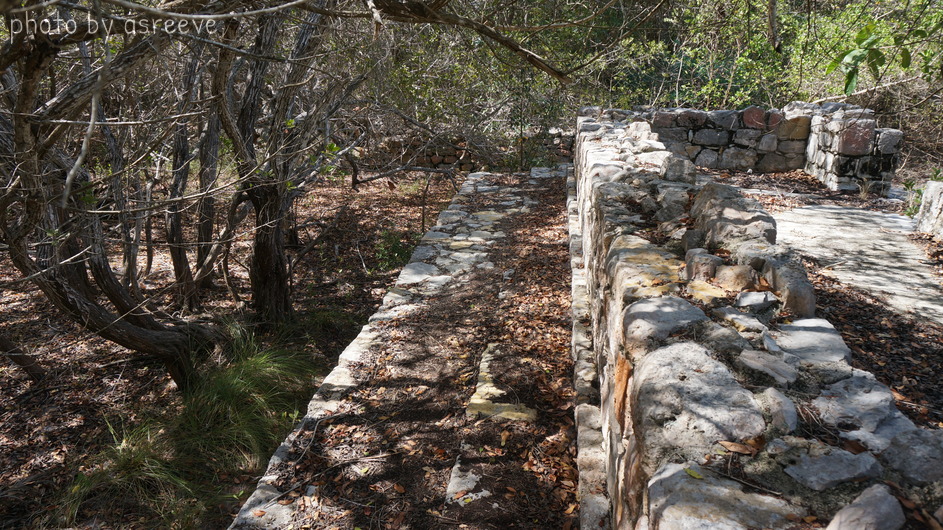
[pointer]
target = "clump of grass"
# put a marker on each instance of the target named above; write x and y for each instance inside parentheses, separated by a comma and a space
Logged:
(393, 249)
(165, 470)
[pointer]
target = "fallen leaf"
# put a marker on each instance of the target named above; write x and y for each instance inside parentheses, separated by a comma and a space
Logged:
(909, 504)
(740, 448)
(459, 494)
(570, 509)
(693, 473)
(810, 518)
(258, 513)
(286, 502)
(504, 437)
(399, 488)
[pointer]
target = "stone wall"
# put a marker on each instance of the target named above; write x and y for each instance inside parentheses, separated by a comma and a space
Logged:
(930, 217)
(711, 372)
(837, 143)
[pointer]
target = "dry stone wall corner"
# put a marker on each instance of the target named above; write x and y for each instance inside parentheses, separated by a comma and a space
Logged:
(680, 287)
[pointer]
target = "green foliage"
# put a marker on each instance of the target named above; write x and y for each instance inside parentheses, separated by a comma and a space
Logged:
(165, 469)
(393, 249)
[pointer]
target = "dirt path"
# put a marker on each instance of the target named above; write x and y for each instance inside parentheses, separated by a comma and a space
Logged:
(868, 250)
(454, 406)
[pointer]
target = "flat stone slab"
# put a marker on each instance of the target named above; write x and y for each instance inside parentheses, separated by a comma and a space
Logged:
(812, 340)
(917, 455)
(688, 401)
(755, 301)
(656, 318)
(678, 500)
(484, 401)
(868, 250)
(824, 471)
(740, 321)
(862, 409)
(874, 509)
(769, 364)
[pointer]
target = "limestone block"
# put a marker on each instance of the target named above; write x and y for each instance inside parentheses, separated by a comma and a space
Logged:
(755, 301)
(700, 265)
(707, 158)
(726, 215)
(773, 119)
(795, 128)
(889, 140)
(791, 146)
(711, 137)
(930, 218)
(691, 118)
(855, 137)
(738, 158)
(801, 108)
(771, 163)
(672, 134)
(917, 455)
(704, 292)
(771, 365)
(782, 410)
(735, 277)
(812, 340)
(692, 238)
(747, 137)
(691, 151)
(767, 143)
(874, 509)
(654, 319)
(753, 118)
(793, 285)
(641, 130)
(834, 467)
(740, 321)
(678, 501)
(664, 118)
(685, 401)
(677, 169)
(723, 119)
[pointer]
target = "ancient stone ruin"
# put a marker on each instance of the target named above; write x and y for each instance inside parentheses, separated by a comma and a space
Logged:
(698, 403)
(839, 144)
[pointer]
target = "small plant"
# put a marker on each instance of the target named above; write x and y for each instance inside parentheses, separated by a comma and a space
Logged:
(393, 249)
(864, 188)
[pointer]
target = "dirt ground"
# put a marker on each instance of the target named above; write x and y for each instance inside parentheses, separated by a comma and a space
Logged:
(49, 430)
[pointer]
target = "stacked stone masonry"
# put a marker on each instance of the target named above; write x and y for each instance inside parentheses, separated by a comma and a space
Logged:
(714, 380)
(837, 143)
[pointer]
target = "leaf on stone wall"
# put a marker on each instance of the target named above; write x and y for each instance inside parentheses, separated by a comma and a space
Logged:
(693, 473)
(740, 448)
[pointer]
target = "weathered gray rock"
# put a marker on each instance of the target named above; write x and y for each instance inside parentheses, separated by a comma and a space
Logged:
(835, 467)
(721, 339)
(740, 321)
(888, 140)
(723, 119)
(771, 365)
(692, 238)
(747, 137)
(678, 501)
(735, 277)
(726, 215)
(738, 158)
(687, 401)
(678, 169)
(782, 410)
(755, 301)
(711, 137)
(699, 265)
(917, 455)
(930, 218)
(793, 285)
(863, 409)
(812, 340)
(416, 272)
(874, 509)
(767, 143)
(707, 158)
(656, 318)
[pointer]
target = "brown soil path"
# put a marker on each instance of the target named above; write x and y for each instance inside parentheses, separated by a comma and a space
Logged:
(397, 445)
